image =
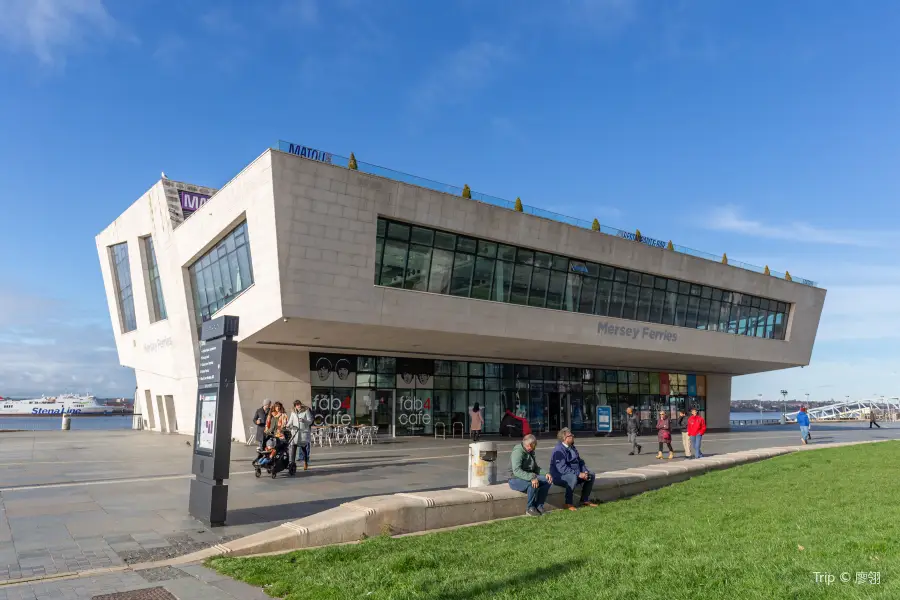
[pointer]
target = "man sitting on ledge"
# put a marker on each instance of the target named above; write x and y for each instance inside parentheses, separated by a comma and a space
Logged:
(528, 477)
(568, 470)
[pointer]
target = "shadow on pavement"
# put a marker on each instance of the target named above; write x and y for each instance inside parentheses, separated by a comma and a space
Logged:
(278, 513)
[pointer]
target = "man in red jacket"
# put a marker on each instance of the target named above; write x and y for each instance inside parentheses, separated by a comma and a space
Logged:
(696, 427)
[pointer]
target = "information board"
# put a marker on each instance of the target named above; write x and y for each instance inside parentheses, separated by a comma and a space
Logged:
(604, 419)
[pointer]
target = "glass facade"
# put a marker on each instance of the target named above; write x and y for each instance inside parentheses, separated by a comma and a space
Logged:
(415, 395)
(154, 285)
(222, 273)
(419, 258)
(124, 293)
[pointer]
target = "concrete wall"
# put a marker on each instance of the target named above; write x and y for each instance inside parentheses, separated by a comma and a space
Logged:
(326, 219)
(718, 401)
(164, 354)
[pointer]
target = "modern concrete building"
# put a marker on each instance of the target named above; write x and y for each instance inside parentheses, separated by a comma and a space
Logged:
(381, 301)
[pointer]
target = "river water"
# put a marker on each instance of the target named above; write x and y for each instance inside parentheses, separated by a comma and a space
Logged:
(51, 423)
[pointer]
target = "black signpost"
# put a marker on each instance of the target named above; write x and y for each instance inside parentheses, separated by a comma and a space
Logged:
(212, 432)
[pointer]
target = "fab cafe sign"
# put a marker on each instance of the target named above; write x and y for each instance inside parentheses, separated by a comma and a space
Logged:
(331, 408)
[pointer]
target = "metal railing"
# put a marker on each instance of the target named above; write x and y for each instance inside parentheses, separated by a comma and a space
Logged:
(749, 422)
(364, 167)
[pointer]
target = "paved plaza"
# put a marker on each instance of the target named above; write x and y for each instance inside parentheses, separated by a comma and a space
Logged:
(80, 501)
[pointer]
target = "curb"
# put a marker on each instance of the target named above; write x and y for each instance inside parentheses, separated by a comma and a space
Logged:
(428, 511)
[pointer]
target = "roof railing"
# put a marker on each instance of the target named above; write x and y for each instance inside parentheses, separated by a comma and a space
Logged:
(364, 167)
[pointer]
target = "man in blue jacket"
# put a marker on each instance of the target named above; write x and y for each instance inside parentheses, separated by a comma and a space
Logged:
(803, 422)
(568, 470)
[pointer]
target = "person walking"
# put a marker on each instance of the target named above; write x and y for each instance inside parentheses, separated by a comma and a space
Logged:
(664, 434)
(872, 420)
(276, 421)
(299, 425)
(476, 420)
(696, 428)
(685, 438)
(633, 429)
(259, 419)
(803, 422)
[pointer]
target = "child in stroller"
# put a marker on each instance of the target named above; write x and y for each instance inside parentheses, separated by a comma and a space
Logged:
(273, 458)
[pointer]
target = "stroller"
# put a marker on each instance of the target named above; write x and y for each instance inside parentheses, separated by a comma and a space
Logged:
(279, 462)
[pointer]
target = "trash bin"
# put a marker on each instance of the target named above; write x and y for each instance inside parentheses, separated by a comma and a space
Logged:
(66, 422)
(482, 464)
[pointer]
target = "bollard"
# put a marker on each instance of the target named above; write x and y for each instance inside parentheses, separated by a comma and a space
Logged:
(482, 464)
(66, 422)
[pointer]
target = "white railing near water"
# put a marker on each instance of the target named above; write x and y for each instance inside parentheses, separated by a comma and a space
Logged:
(887, 409)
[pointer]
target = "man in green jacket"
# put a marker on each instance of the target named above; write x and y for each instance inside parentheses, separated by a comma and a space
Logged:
(528, 477)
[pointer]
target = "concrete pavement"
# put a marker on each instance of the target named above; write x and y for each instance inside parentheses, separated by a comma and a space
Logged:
(77, 501)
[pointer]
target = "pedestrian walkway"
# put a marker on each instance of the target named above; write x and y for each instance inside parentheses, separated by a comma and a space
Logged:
(78, 502)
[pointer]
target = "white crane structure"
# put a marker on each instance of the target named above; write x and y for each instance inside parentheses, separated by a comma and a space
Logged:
(887, 409)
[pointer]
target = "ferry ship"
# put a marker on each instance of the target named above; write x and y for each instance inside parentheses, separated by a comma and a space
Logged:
(64, 404)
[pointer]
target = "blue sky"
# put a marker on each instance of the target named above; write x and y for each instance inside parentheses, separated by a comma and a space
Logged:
(767, 130)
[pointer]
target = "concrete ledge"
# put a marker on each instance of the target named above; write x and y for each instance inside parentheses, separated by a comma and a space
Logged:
(406, 513)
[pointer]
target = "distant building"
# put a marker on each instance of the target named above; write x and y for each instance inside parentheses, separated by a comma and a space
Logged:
(378, 301)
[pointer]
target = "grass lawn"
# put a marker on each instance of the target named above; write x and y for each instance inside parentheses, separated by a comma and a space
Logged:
(758, 531)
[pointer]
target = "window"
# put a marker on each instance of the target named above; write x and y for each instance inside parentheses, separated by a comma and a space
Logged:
(419, 258)
(154, 285)
(225, 271)
(122, 278)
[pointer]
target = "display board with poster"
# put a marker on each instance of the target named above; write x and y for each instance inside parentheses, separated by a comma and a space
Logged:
(604, 419)
(205, 436)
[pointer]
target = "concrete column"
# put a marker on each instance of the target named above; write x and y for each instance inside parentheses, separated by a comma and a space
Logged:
(718, 401)
(280, 375)
(148, 410)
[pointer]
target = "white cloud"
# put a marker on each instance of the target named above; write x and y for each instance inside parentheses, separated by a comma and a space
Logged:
(823, 380)
(604, 17)
(729, 219)
(50, 28)
(305, 12)
(49, 355)
(459, 76)
(860, 312)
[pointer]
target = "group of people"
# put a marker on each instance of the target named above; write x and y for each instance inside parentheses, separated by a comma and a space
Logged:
(691, 437)
(273, 423)
(567, 470)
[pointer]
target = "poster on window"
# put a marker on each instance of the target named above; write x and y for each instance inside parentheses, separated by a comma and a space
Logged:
(604, 419)
(206, 435)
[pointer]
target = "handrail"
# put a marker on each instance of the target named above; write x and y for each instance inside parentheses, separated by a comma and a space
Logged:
(363, 167)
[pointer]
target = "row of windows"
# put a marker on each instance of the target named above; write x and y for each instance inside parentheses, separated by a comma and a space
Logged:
(122, 278)
(216, 277)
(386, 371)
(413, 395)
(222, 273)
(157, 301)
(418, 258)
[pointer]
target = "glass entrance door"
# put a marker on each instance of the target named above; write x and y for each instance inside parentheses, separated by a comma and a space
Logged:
(384, 411)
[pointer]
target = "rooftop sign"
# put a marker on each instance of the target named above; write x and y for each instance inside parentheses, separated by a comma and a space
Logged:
(644, 239)
(191, 201)
(306, 152)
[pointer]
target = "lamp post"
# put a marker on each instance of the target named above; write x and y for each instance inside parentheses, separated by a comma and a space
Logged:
(783, 406)
(759, 396)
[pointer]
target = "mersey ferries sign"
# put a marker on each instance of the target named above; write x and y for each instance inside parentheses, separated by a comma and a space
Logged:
(644, 333)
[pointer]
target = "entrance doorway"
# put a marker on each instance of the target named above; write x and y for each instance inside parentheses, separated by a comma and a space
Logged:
(558, 410)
